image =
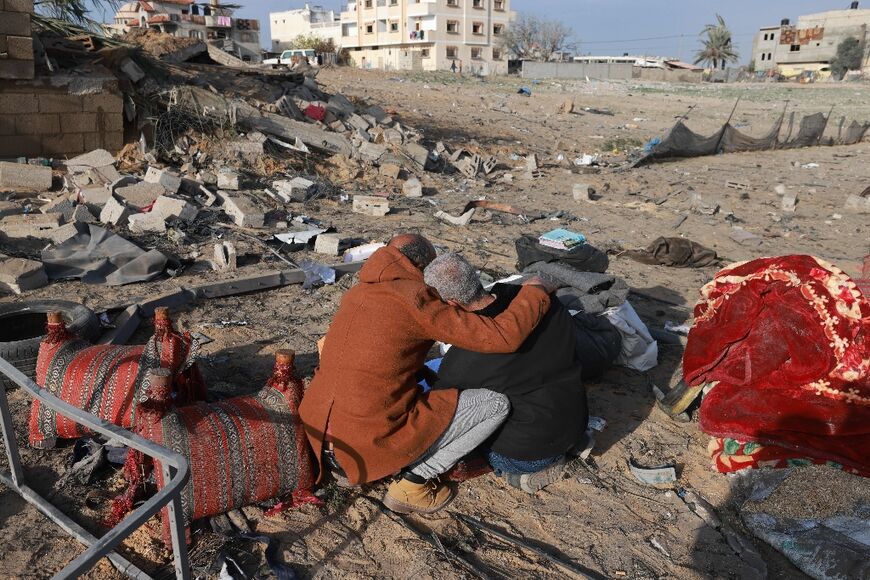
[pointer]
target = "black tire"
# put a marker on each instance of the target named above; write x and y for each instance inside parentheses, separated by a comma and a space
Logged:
(22, 328)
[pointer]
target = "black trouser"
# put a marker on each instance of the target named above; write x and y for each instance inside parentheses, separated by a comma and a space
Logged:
(597, 344)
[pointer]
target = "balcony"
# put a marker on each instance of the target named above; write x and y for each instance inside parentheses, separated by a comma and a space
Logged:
(422, 9)
(218, 22)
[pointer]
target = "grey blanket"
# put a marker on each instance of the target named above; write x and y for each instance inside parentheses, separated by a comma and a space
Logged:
(588, 292)
(98, 256)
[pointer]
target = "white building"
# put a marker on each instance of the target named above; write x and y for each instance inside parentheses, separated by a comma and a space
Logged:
(411, 34)
(311, 20)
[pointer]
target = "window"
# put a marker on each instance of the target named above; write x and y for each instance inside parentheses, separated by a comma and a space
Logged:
(394, 2)
(368, 3)
(394, 27)
(496, 54)
(476, 52)
(370, 28)
(497, 29)
(477, 28)
(452, 51)
(762, 56)
(795, 48)
(769, 55)
(453, 26)
(477, 3)
(424, 53)
(498, 4)
(453, 3)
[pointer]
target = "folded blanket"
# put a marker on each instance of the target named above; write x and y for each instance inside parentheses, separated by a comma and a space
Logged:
(676, 252)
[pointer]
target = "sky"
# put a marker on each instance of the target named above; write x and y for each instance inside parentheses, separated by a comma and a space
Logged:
(613, 27)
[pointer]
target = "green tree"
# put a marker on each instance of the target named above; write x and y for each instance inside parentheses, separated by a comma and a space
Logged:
(312, 41)
(848, 57)
(717, 48)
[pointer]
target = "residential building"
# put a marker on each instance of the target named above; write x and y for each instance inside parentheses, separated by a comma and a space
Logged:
(810, 44)
(189, 19)
(311, 20)
(415, 34)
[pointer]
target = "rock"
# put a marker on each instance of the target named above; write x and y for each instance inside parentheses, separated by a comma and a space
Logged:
(24, 177)
(140, 223)
(20, 275)
(567, 107)
(327, 244)
(228, 179)
(370, 205)
(140, 195)
(115, 212)
(412, 188)
(583, 192)
(244, 212)
(36, 225)
(168, 206)
(858, 204)
(167, 179)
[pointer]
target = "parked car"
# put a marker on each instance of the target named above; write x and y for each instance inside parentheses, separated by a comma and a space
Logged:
(292, 55)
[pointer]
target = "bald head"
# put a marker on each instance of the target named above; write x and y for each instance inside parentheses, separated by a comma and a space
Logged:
(414, 247)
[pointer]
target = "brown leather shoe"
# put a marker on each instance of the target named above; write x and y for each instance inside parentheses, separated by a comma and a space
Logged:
(405, 497)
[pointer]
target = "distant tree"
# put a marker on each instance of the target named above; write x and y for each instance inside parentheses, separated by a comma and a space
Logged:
(716, 48)
(849, 56)
(318, 44)
(529, 37)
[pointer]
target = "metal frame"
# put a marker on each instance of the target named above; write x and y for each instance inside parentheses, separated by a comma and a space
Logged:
(175, 473)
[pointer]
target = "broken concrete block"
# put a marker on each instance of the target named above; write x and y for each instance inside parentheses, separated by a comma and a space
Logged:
(393, 136)
(246, 150)
(140, 195)
(340, 105)
(95, 198)
(583, 192)
(106, 174)
(140, 223)
(857, 204)
(225, 258)
(789, 201)
(244, 212)
(358, 122)
(412, 188)
(327, 244)
(62, 234)
(371, 151)
(132, 70)
(20, 275)
(390, 169)
(24, 177)
(168, 206)
(205, 197)
(9, 208)
(567, 106)
(82, 214)
(62, 205)
(377, 112)
(37, 225)
(299, 187)
(462, 220)
(779, 189)
(115, 212)
(704, 206)
(363, 135)
(122, 181)
(418, 153)
(228, 179)
(167, 179)
(95, 158)
(371, 205)
(489, 164)
(532, 162)
(207, 177)
(743, 237)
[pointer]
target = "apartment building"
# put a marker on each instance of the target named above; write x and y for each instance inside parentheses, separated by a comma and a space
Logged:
(310, 20)
(810, 44)
(411, 34)
(187, 18)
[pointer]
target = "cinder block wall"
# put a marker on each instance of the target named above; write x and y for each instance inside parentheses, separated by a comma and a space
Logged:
(16, 39)
(48, 121)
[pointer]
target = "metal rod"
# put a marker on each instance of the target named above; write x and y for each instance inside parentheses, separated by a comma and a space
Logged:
(725, 126)
(176, 526)
(16, 474)
(103, 546)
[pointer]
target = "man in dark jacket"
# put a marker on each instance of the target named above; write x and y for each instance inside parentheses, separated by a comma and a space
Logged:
(542, 379)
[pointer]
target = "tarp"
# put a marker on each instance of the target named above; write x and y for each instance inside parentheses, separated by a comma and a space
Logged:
(683, 142)
(98, 256)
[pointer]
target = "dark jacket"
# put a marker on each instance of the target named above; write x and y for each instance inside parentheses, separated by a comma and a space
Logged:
(365, 387)
(542, 380)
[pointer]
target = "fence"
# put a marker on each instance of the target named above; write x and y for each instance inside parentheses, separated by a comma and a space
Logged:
(576, 70)
(176, 473)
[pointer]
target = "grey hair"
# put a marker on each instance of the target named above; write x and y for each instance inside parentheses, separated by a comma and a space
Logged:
(454, 278)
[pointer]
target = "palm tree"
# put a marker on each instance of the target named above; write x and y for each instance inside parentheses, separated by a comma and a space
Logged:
(717, 47)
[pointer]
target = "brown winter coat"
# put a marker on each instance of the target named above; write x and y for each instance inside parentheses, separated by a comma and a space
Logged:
(366, 387)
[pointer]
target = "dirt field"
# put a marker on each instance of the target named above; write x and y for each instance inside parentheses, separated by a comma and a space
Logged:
(600, 519)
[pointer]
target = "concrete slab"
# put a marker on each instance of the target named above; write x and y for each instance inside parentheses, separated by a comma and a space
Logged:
(21, 275)
(24, 177)
(371, 205)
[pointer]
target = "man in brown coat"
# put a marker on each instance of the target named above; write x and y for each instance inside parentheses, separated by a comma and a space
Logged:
(364, 404)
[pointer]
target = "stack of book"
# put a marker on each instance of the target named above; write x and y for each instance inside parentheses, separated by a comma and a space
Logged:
(562, 239)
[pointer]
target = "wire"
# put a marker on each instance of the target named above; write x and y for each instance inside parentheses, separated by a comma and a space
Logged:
(653, 38)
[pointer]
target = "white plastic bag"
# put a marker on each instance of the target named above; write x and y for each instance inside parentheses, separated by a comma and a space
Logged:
(639, 350)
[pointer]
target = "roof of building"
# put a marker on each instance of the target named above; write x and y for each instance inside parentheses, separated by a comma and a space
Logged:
(682, 65)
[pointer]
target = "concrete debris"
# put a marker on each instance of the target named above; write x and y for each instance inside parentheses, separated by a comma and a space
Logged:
(24, 177)
(92, 159)
(567, 107)
(168, 206)
(737, 185)
(583, 192)
(63, 233)
(370, 151)
(412, 188)
(83, 215)
(20, 275)
(9, 208)
(489, 164)
(146, 222)
(358, 122)
(244, 212)
(857, 204)
(327, 244)
(462, 220)
(94, 198)
(703, 206)
(391, 168)
(132, 70)
(537, 174)
(295, 189)
(532, 162)
(789, 201)
(115, 212)
(62, 205)
(205, 197)
(418, 153)
(370, 205)
(744, 238)
(167, 179)
(30, 225)
(780, 189)
(225, 258)
(228, 179)
(140, 195)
